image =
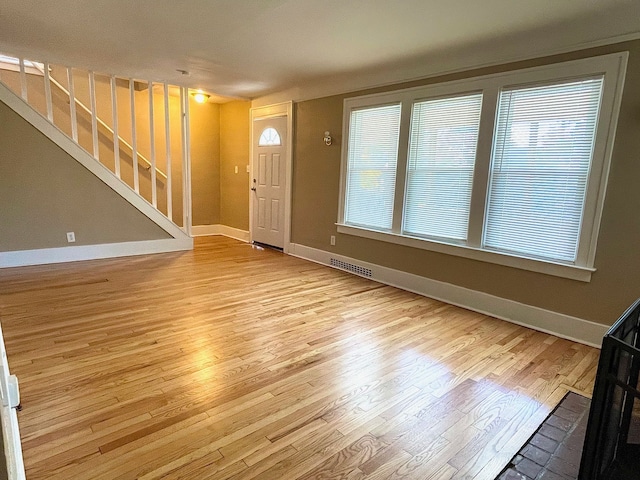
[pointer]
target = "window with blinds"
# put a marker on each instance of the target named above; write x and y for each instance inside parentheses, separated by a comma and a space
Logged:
(509, 168)
(442, 153)
(371, 166)
(543, 145)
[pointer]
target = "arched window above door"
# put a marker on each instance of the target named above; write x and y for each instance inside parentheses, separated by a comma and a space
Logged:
(269, 138)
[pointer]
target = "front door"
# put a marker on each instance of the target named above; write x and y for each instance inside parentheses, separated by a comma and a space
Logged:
(268, 181)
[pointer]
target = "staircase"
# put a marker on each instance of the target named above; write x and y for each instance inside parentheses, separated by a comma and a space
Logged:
(131, 134)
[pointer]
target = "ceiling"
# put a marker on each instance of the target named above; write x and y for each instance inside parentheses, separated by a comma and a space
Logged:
(251, 48)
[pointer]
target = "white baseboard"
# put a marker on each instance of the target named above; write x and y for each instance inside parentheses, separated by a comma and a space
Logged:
(45, 256)
(561, 325)
(205, 230)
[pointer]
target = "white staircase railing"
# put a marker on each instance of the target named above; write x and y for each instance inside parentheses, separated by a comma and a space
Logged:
(151, 175)
(45, 72)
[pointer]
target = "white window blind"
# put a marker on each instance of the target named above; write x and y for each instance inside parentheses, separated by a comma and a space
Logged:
(442, 153)
(371, 166)
(542, 153)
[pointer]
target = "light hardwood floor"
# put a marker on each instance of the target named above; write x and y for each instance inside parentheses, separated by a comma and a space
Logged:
(230, 362)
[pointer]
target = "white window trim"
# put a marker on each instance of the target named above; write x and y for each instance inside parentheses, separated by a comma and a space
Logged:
(612, 66)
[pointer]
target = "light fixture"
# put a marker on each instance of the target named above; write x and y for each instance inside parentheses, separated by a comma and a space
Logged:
(200, 96)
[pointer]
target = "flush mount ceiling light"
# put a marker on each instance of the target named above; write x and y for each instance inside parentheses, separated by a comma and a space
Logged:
(200, 96)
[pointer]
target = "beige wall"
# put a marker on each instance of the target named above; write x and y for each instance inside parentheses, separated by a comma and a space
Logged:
(234, 152)
(614, 285)
(41, 204)
(205, 162)
(205, 137)
(45, 193)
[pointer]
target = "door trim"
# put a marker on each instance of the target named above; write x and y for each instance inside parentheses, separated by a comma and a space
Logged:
(284, 109)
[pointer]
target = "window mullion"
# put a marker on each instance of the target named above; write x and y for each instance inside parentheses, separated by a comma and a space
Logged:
(482, 167)
(401, 170)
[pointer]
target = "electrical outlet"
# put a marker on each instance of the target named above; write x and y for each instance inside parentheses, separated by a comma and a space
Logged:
(333, 239)
(236, 169)
(71, 237)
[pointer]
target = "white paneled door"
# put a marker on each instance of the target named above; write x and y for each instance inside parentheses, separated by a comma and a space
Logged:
(268, 181)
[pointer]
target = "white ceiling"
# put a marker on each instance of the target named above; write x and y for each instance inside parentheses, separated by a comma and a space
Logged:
(250, 48)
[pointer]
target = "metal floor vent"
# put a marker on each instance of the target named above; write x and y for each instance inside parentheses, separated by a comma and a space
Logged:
(350, 267)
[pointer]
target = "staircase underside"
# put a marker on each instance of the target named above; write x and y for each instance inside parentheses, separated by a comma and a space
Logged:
(170, 237)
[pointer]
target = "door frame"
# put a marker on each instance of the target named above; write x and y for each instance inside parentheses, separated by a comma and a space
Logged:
(284, 109)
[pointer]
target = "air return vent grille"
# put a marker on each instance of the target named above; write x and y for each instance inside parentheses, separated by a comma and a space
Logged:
(350, 267)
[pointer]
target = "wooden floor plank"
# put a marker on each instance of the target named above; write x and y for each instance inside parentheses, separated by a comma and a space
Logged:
(230, 362)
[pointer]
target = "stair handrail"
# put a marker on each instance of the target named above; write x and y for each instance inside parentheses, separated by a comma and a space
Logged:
(101, 122)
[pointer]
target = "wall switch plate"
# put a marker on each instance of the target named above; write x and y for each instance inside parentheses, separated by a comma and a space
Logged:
(333, 239)
(236, 169)
(71, 237)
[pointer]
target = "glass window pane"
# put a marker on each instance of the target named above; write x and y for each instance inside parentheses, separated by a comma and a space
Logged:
(371, 166)
(442, 153)
(542, 152)
(269, 138)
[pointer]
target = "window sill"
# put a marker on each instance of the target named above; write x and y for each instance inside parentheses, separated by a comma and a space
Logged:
(582, 274)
